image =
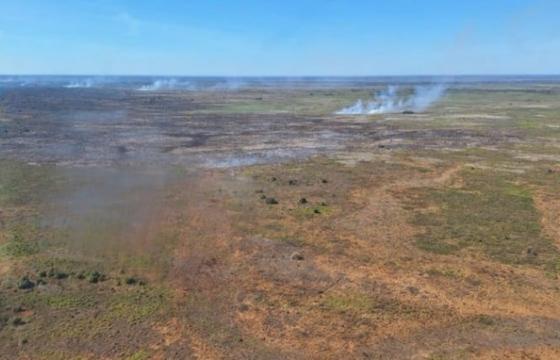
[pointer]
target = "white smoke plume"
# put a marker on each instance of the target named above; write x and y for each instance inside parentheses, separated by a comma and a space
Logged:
(167, 84)
(395, 99)
(87, 83)
(195, 85)
(228, 85)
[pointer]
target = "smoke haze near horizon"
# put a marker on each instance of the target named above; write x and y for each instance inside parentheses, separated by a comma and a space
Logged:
(396, 99)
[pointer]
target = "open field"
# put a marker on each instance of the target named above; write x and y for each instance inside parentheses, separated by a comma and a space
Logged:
(255, 224)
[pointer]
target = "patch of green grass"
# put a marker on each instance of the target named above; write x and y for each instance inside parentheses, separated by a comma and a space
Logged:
(22, 241)
(518, 190)
(22, 190)
(80, 313)
(356, 303)
(528, 124)
(139, 355)
(69, 300)
(446, 272)
(317, 102)
(22, 184)
(55, 299)
(492, 212)
(350, 302)
(485, 320)
(457, 354)
(137, 304)
(19, 248)
(311, 210)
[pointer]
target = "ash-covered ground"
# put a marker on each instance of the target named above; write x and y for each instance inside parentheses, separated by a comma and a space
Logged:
(117, 125)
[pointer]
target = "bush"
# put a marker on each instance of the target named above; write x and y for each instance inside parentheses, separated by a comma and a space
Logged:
(131, 280)
(25, 284)
(271, 201)
(95, 277)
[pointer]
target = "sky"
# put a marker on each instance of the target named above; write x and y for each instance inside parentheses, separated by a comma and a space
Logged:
(275, 38)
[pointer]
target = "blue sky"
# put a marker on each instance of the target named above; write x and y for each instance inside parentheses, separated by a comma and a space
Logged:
(256, 37)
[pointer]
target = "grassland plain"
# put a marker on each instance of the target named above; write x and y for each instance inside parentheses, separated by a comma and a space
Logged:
(428, 236)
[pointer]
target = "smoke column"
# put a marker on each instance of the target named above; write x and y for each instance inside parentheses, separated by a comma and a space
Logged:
(394, 100)
(88, 83)
(167, 84)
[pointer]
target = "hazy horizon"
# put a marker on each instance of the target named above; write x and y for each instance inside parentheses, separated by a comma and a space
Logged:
(277, 76)
(311, 76)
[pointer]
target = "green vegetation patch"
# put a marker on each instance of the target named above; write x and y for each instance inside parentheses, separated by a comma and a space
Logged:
(69, 300)
(138, 304)
(19, 246)
(382, 307)
(445, 272)
(350, 302)
(22, 184)
(139, 355)
(492, 212)
(22, 189)
(313, 210)
(316, 102)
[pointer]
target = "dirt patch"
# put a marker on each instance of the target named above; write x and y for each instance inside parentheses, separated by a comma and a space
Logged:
(549, 206)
